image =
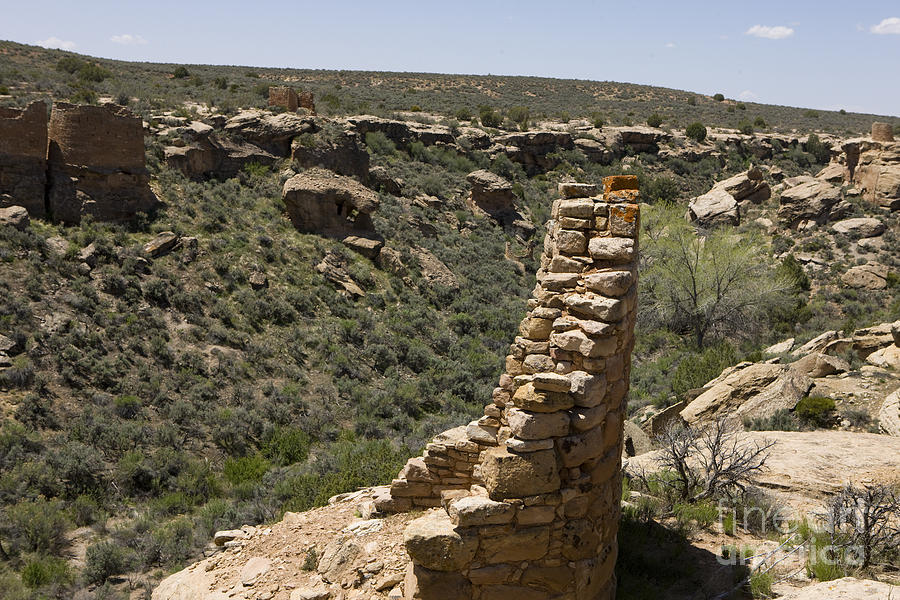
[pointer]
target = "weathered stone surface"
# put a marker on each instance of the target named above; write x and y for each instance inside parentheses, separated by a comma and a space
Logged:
(730, 392)
(23, 158)
(270, 132)
(536, 329)
(580, 539)
(610, 283)
(551, 382)
(808, 201)
(530, 399)
(818, 364)
(585, 419)
(597, 307)
(537, 426)
(615, 250)
(321, 202)
(847, 588)
(285, 97)
(227, 535)
(862, 227)
(341, 153)
(255, 568)
(507, 475)
(587, 390)
(337, 558)
(529, 543)
(161, 244)
(14, 216)
(478, 510)
(577, 190)
(426, 584)
(574, 450)
(370, 247)
(519, 446)
(96, 164)
(870, 276)
(433, 542)
(577, 341)
(311, 594)
(716, 207)
(569, 241)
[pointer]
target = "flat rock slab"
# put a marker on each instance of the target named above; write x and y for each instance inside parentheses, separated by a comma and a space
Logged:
(848, 588)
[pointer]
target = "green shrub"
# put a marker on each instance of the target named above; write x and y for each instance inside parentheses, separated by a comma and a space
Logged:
(287, 445)
(693, 517)
(815, 410)
(696, 369)
(780, 420)
(817, 149)
(103, 560)
(489, 117)
(464, 114)
(245, 469)
(745, 127)
(84, 511)
(181, 72)
(519, 115)
(719, 97)
(696, 131)
(760, 122)
(654, 120)
(378, 143)
(37, 525)
(46, 570)
(127, 407)
(761, 584)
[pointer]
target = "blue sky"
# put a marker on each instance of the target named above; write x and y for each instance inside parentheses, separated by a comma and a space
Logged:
(821, 54)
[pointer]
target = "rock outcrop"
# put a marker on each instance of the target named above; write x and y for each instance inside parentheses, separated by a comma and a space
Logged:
(809, 201)
(541, 468)
(341, 152)
(870, 276)
(493, 195)
(534, 150)
(272, 133)
(321, 202)
(96, 164)
(720, 205)
(402, 133)
(23, 158)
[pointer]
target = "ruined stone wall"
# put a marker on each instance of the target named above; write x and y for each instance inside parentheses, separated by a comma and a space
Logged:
(23, 157)
(96, 163)
(536, 515)
(882, 132)
(307, 101)
(285, 97)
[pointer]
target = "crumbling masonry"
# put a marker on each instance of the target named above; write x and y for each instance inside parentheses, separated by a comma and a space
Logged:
(84, 160)
(530, 492)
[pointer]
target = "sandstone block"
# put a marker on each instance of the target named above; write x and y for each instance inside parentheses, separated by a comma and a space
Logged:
(616, 183)
(551, 579)
(624, 220)
(530, 543)
(577, 209)
(536, 515)
(528, 398)
(570, 241)
(479, 510)
(610, 283)
(564, 264)
(425, 584)
(577, 341)
(584, 419)
(551, 382)
(507, 475)
(506, 592)
(536, 329)
(612, 249)
(433, 542)
(580, 539)
(577, 190)
(520, 446)
(597, 307)
(537, 363)
(537, 426)
(492, 574)
(576, 449)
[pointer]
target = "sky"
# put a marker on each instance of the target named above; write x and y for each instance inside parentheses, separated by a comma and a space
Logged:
(816, 54)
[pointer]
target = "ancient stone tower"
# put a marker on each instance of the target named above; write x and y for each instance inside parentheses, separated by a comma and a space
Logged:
(288, 98)
(23, 157)
(882, 132)
(96, 163)
(529, 494)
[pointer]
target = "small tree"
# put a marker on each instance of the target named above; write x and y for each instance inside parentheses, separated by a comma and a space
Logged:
(864, 519)
(489, 117)
(719, 97)
(180, 72)
(709, 285)
(696, 131)
(654, 120)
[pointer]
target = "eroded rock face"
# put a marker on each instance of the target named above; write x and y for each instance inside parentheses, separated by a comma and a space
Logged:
(272, 133)
(870, 276)
(96, 164)
(23, 158)
(532, 149)
(402, 133)
(341, 153)
(321, 202)
(810, 200)
(493, 195)
(721, 205)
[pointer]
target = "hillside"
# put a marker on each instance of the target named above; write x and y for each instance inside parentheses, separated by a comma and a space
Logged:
(241, 351)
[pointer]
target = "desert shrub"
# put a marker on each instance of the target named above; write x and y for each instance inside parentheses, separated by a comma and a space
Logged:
(489, 117)
(519, 115)
(760, 123)
(103, 560)
(245, 469)
(463, 114)
(127, 407)
(654, 120)
(817, 149)
(84, 510)
(37, 525)
(815, 410)
(696, 369)
(745, 127)
(696, 131)
(378, 143)
(660, 189)
(181, 72)
(46, 570)
(690, 518)
(719, 97)
(780, 420)
(287, 445)
(761, 584)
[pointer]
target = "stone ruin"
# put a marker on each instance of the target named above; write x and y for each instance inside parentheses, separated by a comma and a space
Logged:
(23, 158)
(882, 132)
(530, 491)
(84, 160)
(288, 98)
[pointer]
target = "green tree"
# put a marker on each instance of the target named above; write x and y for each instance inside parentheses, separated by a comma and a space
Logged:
(719, 97)
(489, 117)
(654, 120)
(707, 286)
(696, 131)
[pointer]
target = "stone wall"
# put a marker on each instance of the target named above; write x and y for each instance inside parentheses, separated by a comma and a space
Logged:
(882, 132)
(536, 514)
(23, 157)
(96, 164)
(285, 97)
(307, 101)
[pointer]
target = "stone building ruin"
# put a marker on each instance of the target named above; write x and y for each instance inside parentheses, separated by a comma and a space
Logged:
(83, 160)
(527, 496)
(288, 98)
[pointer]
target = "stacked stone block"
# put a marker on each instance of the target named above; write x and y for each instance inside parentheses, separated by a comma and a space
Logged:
(23, 158)
(96, 163)
(882, 132)
(539, 517)
(285, 97)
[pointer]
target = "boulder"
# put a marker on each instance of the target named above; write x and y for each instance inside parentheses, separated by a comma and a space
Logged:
(491, 193)
(338, 558)
(433, 542)
(424, 584)
(161, 244)
(14, 216)
(273, 133)
(860, 227)
(321, 202)
(889, 415)
(723, 398)
(749, 185)
(819, 364)
(255, 568)
(870, 276)
(595, 151)
(339, 152)
(808, 201)
(716, 207)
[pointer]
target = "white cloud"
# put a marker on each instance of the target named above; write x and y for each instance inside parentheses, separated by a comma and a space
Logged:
(747, 95)
(889, 25)
(55, 42)
(778, 32)
(670, 45)
(126, 39)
